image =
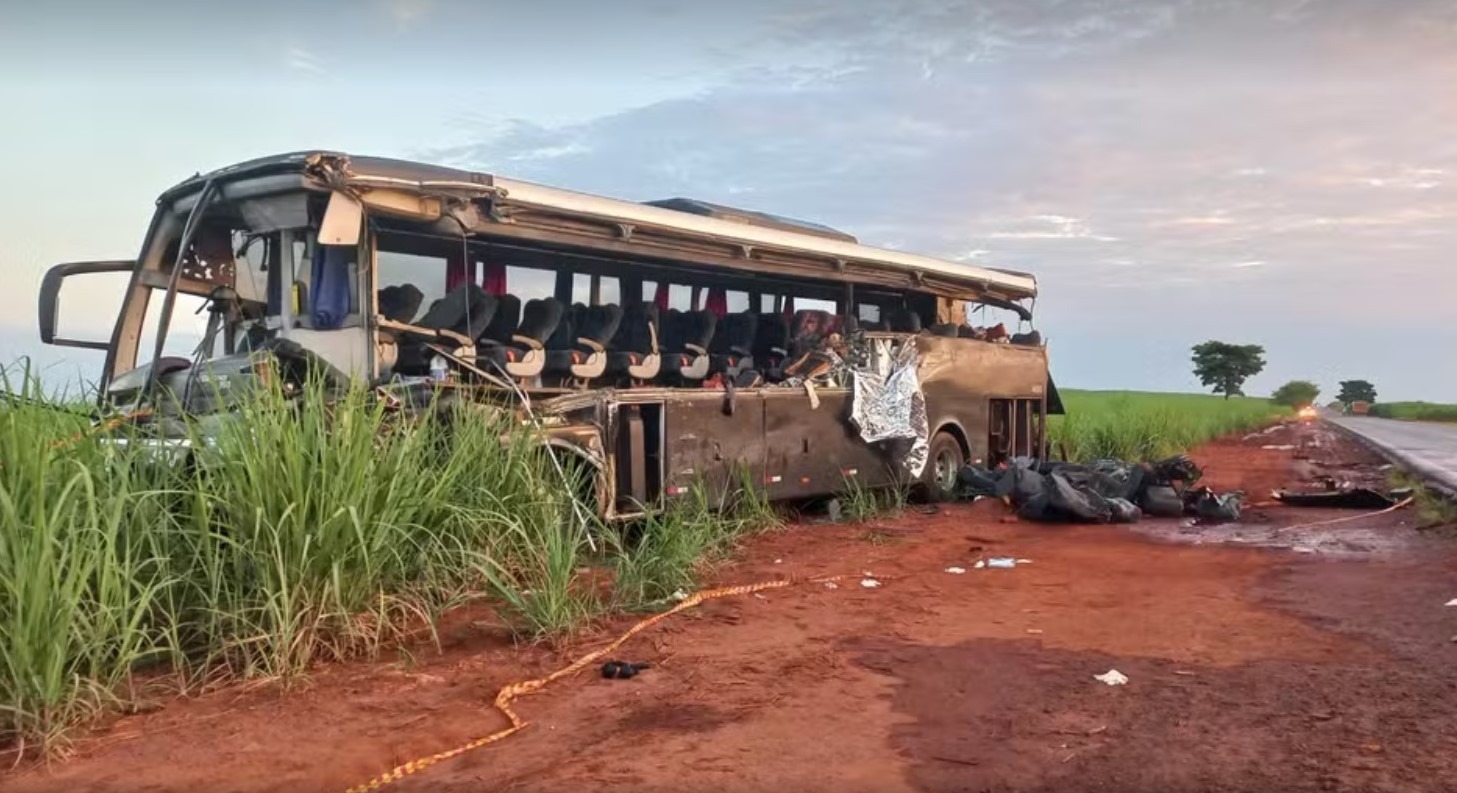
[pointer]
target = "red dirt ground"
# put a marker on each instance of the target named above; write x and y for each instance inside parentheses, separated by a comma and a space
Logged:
(1322, 660)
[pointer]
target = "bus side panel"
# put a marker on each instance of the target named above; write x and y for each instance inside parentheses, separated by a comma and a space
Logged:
(961, 376)
(704, 445)
(813, 451)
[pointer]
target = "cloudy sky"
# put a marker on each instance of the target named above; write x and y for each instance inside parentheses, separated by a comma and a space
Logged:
(1279, 172)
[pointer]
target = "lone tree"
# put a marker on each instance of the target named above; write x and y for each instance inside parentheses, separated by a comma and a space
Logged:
(1296, 393)
(1356, 391)
(1225, 367)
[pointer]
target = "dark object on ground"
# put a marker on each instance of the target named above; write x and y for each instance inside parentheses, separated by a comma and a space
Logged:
(1213, 507)
(1102, 491)
(1351, 498)
(1124, 511)
(1162, 501)
(621, 670)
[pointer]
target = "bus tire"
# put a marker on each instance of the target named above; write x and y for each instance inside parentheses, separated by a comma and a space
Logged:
(944, 460)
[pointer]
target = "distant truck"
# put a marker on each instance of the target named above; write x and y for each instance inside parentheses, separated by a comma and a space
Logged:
(1359, 408)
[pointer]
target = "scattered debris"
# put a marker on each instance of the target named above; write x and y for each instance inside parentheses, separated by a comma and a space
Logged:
(1104, 491)
(831, 585)
(835, 510)
(1035, 631)
(1184, 673)
(1112, 677)
(1452, 602)
(1003, 562)
(679, 595)
(979, 564)
(759, 596)
(869, 583)
(1303, 549)
(956, 570)
(1279, 447)
(778, 561)
(621, 670)
(1343, 498)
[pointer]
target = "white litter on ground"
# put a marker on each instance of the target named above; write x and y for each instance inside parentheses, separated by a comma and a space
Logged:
(778, 561)
(1279, 447)
(1024, 561)
(869, 583)
(956, 570)
(679, 595)
(1112, 677)
(1452, 602)
(979, 564)
(831, 585)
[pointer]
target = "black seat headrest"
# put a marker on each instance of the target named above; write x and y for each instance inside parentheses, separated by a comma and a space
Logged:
(400, 303)
(698, 327)
(904, 320)
(466, 309)
(735, 330)
(635, 333)
(773, 332)
(504, 319)
(540, 318)
(599, 323)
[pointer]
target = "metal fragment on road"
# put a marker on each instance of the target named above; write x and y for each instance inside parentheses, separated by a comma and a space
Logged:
(1112, 677)
(869, 583)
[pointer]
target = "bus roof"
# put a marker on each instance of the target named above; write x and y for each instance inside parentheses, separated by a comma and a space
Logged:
(689, 219)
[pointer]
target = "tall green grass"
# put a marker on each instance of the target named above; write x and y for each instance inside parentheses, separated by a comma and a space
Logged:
(1415, 411)
(1139, 426)
(305, 531)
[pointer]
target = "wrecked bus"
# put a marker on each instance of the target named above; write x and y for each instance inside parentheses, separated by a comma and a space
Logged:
(670, 344)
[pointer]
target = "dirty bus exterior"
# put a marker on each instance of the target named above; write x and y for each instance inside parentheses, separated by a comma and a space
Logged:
(327, 254)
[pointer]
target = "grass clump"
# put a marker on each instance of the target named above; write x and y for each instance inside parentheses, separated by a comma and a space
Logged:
(1433, 510)
(1139, 426)
(667, 552)
(299, 532)
(860, 503)
(1415, 411)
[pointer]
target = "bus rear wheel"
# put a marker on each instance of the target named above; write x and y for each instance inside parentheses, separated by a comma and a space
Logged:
(943, 463)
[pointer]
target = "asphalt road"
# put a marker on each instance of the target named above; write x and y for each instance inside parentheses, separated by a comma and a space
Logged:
(1429, 449)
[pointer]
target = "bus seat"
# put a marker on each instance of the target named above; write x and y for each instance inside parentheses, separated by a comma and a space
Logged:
(400, 303)
(903, 320)
(685, 341)
(732, 348)
(465, 310)
(945, 329)
(524, 354)
(1030, 339)
(771, 345)
(635, 349)
(808, 331)
(503, 324)
(579, 346)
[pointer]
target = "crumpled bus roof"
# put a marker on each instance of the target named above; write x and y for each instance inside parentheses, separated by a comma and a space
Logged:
(688, 218)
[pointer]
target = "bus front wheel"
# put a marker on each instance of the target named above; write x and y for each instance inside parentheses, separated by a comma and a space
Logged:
(943, 463)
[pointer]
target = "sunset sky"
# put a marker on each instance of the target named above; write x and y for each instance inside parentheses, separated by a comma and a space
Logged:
(1278, 172)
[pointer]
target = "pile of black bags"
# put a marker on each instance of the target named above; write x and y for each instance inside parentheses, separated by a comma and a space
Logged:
(1104, 491)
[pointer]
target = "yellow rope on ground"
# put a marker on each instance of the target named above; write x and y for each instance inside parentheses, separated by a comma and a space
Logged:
(511, 692)
(1394, 507)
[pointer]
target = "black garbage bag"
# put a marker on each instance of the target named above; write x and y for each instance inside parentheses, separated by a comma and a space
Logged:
(1214, 507)
(1161, 501)
(1174, 469)
(1067, 501)
(1028, 490)
(1124, 511)
(977, 481)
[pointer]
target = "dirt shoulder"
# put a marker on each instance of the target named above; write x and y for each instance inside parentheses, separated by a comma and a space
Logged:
(1259, 657)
